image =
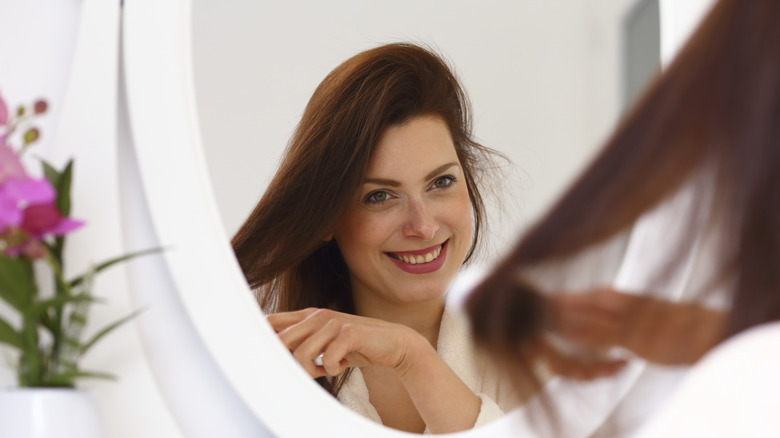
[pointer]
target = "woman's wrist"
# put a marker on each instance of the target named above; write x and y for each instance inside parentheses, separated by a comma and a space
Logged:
(417, 352)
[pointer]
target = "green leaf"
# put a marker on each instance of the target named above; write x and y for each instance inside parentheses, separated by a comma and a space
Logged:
(69, 365)
(32, 359)
(57, 303)
(55, 263)
(17, 282)
(49, 324)
(52, 174)
(71, 342)
(108, 329)
(58, 248)
(78, 280)
(61, 181)
(80, 320)
(67, 378)
(9, 336)
(63, 189)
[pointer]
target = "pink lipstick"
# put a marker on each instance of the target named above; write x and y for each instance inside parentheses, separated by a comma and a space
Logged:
(414, 262)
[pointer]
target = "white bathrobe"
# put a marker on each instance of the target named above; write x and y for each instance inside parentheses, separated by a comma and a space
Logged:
(456, 348)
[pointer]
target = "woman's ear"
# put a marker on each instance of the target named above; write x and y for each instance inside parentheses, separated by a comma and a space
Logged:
(328, 238)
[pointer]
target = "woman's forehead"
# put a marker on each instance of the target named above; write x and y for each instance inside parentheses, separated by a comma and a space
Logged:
(412, 149)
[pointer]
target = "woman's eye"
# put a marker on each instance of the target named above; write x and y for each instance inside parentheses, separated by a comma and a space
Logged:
(443, 182)
(377, 197)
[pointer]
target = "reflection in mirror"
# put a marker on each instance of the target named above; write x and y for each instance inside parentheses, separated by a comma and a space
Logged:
(374, 208)
(544, 81)
(544, 78)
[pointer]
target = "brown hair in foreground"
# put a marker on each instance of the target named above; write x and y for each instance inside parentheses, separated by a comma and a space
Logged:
(281, 247)
(717, 107)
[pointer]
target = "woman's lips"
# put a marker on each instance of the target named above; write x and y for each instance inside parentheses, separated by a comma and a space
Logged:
(420, 261)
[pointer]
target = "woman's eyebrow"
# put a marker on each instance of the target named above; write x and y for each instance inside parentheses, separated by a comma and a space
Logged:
(441, 169)
(394, 183)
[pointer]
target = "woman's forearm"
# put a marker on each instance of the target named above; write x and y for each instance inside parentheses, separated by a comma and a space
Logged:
(443, 401)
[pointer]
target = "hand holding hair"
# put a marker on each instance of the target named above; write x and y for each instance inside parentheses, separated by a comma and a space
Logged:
(663, 332)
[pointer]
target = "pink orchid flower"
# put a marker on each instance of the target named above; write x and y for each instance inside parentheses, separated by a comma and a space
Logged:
(27, 209)
(27, 205)
(18, 194)
(3, 112)
(10, 164)
(44, 219)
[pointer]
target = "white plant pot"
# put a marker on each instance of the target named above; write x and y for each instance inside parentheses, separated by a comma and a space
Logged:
(48, 413)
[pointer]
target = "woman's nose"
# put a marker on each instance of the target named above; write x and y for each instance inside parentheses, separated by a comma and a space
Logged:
(420, 223)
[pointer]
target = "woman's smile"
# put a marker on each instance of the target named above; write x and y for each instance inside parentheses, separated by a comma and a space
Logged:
(421, 261)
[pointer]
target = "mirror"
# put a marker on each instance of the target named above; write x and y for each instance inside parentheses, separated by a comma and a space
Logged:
(559, 69)
(547, 81)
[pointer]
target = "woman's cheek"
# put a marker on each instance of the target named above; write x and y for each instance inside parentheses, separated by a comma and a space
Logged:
(464, 214)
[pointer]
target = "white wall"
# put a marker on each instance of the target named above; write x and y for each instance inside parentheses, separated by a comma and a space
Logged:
(543, 78)
(67, 52)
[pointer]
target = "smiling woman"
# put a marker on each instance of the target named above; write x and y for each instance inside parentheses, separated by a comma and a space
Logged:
(359, 235)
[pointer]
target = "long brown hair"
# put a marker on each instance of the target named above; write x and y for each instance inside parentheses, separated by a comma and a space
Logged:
(281, 247)
(716, 109)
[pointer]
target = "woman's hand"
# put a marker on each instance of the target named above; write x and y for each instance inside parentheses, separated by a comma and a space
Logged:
(344, 340)
(443, 401)
(659, 331)
(584, 364)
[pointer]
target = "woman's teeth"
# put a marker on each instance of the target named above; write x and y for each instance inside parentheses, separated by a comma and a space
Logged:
(415, 259)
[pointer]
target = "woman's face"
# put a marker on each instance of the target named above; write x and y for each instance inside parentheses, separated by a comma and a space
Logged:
(407, 232)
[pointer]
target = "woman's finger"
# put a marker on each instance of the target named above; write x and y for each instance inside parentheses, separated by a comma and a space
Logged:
(343, 340)
(283, 320)
(587, 327)
(345, 349)
(294, 334)
(577, 368)
(364, 345)
(315, 346)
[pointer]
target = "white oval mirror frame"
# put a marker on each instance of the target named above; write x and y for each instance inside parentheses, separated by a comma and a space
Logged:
(199, 273)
